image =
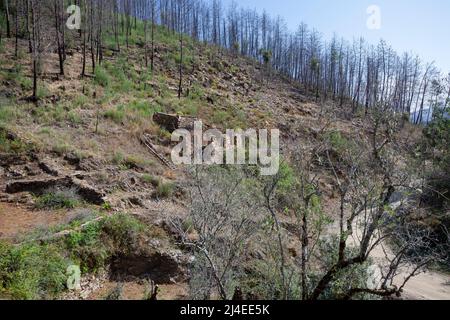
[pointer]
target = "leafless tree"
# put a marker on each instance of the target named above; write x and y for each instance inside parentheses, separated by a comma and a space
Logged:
(223, 219)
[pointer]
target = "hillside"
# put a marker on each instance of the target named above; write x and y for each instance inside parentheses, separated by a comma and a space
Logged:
(78, 186)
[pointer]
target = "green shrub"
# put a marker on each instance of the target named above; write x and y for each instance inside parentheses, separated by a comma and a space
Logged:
(58, 199)
(74, 117)
(151, 180)
(220, 117)
(81, 100)
(31, 271)
(338, 142)
(42, 91)
(38, 271)
(25, 83)
(164, 190)
(118, 158)
(61, 148)
(144, 108)
(117, 115)
(8, 145)
(7, 111)
(101, 77)
(95, 245)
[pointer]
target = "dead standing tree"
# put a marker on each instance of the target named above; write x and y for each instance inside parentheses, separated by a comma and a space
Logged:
(36, 43)
(224, 216)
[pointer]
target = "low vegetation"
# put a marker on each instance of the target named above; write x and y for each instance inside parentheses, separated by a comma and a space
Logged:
(54, 199)
(39, 271)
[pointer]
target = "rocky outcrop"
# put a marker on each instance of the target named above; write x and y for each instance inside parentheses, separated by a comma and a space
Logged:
(37, 185)
(173, 122)
(41, 184)
(161, 267)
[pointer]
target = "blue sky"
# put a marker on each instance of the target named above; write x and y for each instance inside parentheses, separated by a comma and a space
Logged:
(418, 26)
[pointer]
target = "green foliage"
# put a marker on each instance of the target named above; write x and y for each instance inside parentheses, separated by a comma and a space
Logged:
(355, 276)
(264, 281)
(144, 108)
(42, 91)
(117, 115)
(220, 117)
(134, 112)
(338, 142)
(16, 75)
(118, 158)
(287, 178)
(102, 77)
(81, 100)
(136, 161)
(38, 271)
(266, 55)
(8, 145)
(115, 294)
(151, 180)
(8, 112)
(61, 148)
(58, 199)
(74, 117)
(58, 113)
(121, 80)
(435, 151)
(129, 161)
(31, 271)
(94, 245)
(315, 64)
(164, 189)
(437, 137)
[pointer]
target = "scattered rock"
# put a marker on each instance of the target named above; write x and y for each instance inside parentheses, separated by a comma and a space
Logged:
(16, 172)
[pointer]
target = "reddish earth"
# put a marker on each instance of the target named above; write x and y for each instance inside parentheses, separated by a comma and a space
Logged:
(137, 291)
(16, 220)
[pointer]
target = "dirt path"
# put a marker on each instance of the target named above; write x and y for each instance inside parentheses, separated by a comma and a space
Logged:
(16, 220)
(428, 286)
(425, 286)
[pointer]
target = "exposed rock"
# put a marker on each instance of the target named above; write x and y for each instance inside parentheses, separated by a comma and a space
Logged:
(72, 159)
(37, 185)
(49, 167)
(32, 170)
(7, 160)
(167, 121)
(163, 268)
(88, 192)
(88, 164)
(174, 122)
(16, 172)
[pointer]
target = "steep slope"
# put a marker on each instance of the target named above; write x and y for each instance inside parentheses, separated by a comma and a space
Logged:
(78, 148)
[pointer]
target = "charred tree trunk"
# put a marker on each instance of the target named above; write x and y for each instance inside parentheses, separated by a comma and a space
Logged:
(152, 57)
(16, 30)
(58, 40)
(84, 34)
(7, 16)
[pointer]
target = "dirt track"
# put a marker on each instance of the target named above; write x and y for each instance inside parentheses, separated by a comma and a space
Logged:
(428, 286)
(425, 286)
